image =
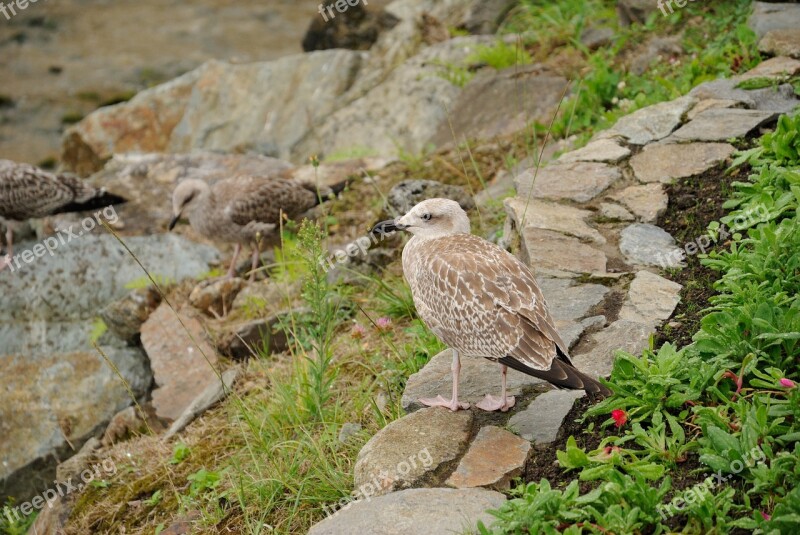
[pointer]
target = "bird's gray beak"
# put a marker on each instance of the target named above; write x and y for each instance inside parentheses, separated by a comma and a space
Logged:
(174, 221)
(387, 227)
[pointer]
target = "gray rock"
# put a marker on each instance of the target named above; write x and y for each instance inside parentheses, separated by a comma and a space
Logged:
(713, 103)
(722, 124)
(478, 378)
(602, 150)
(779, 100)
(596, 358)
(412, 451)
(542, 419)
(572, 331)
(669, 162)
(774, 16)
(485, 16)
(568, 300)
(648, 202)
(125, 316)
(551, 252)
(494, 459)
(776, 68)
(348, 431)
(552, 216)
(651, 123)
(614, 212)
(579, 181)
(406, 194)
(781, 43)
(254, 338)
(649, 245)
(414, 512)
(594, 38)
(635, 11)
(209, 397)
(651, 299)
(656, 49)
(489, 105)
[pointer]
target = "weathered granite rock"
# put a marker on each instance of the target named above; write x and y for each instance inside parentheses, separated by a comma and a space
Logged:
(651, 299)
(667, 163)
(777, 68)
(213, 394)
(614, 212)
(485, 16)
(489, 105)
(648, 202)
(478, 378)
(571, 331)
(414, 512)
(542, 419)
(774, 16)
(547, 251)
(408, 193)
(568, 300)
(256, 337)
(778, 100)
(125, 316)
(722, 124)
(602, 150)
(651, 123)
(552, 216)
(330, 173)
(215, 296)
(412, 451)
(713, 103)
(494, 459)
(781, 43)
(579, 181)
(649, 245)
(594, 38)
(597, 357)
(183, 362)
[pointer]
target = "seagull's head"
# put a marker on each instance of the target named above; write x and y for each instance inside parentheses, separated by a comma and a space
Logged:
(432, 218)
(186, 193)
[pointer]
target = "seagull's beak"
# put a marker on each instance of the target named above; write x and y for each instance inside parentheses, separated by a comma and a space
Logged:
(174, 221)
(387, 227)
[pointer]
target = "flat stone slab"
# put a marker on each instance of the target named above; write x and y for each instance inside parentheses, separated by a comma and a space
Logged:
(409, 451)
(602, 150)
(179, 366)
(542, 419)
(494, 459)
(552, 216)
(549, 251)
(614, 212)
(601, 349)
(651, 299)
(579, 181)
(778, 67)
(773, 16)
(647, 202)
(568, 300)
(669, 162)
(777, 100)
(781, 43)
(651, 123)
(478, 378)
(722, 124)
(414, 512)
(571, 331)
(649, 245)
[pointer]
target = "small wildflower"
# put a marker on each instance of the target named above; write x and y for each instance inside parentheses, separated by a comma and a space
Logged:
(787, 383)
(621, 85)
(358, 332)
(620, 417)
(765, 516)
(615, 101)
(383, 324)
(314, 160)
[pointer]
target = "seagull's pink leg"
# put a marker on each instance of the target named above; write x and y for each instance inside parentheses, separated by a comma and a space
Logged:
(452, 404)
(503, 403)
(6, 261)
(254, 263)
(232, 270)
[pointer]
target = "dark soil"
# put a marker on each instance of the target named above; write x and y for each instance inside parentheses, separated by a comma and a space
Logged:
(693, 204)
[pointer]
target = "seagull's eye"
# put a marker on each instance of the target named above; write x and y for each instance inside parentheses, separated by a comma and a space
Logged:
(426, 217)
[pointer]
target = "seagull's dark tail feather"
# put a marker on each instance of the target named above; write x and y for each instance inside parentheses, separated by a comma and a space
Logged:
(561, 374)
(103, 199)
(327, 193)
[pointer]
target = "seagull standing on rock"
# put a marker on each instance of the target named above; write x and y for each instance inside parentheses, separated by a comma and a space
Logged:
(245, 209)
(481, 301)
(28, 192)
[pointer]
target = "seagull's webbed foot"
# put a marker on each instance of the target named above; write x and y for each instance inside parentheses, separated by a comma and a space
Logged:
(439, 401)
(491, 403)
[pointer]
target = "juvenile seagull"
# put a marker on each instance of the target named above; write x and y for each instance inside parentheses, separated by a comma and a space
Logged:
(244, 209)
(482, 302)
(27, 192)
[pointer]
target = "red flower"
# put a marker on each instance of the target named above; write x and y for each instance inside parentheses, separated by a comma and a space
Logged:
(620, 417)
(787, 383)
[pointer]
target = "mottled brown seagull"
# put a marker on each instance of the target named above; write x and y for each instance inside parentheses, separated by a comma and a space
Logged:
(245, 209)
(27, 192)
(482, 302)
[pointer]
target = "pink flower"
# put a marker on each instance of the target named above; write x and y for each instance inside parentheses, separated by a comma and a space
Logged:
(358, 332)
(620, 417)
(383, 324)
(787, 383)
(765, 516)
